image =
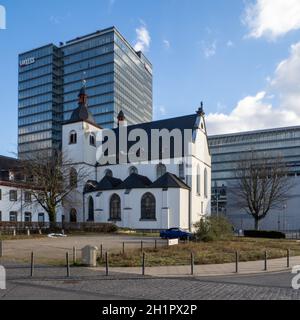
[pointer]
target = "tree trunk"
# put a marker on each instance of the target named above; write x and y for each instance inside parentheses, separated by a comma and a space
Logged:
(256, 225)
(52, 219)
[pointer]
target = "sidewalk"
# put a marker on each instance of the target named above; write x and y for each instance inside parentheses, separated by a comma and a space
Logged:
(253, 267)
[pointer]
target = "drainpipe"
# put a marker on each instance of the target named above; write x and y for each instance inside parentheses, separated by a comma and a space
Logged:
(83, 201)
(190, 204)
(21, 206)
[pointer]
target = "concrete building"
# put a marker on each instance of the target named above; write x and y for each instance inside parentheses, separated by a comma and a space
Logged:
(50, 77)
(227, 150)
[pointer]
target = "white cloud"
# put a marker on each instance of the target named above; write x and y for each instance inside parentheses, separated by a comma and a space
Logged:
(209, 49)
(143, 39)
(272, 18)
(167, 44)
(160, 111)
(163, 110)
(55, 19)
(229, 44)
(59, 19)
(258, 111)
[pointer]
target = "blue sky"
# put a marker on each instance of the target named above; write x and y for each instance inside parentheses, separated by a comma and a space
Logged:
(242, 58)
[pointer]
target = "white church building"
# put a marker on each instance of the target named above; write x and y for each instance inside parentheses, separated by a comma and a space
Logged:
(155, 192)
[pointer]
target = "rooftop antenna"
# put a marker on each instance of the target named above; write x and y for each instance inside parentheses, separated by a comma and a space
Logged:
(84, 79)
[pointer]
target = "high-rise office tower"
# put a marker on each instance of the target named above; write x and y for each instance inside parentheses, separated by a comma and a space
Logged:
(118, 78)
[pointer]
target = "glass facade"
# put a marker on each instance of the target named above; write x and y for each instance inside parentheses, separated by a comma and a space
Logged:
(40, 100)
(228, 150)
(118, 78)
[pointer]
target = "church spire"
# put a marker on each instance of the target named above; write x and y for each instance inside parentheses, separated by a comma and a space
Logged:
(82, 101)
(81, 113)
(200, 111)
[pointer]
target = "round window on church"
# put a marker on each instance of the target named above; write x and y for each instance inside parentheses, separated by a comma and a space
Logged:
(108, 173)
(133, 170)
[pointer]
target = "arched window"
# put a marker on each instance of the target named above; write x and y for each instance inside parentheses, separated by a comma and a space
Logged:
(148, 207)
(93, 140)
(198, 180)
(115, 208)
(73, 216)
(205, 183)
(133, 170)
(161, 170)
(73, 178)
(108, 173)
(73, 137)
(91, 210)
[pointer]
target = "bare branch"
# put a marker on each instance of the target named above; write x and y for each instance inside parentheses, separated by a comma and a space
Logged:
(262, 184)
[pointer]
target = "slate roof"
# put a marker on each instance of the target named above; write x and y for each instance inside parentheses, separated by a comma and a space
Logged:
(82, 113)
(169, 180)
(90, 186)
(136, 181)
(107, 183)
(181, 123)
(7, 163)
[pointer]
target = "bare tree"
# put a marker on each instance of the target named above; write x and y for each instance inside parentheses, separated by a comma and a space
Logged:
(51, 180)
(262, 184)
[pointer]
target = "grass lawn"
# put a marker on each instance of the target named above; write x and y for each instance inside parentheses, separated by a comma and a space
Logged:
(21, 237)
(217, 252)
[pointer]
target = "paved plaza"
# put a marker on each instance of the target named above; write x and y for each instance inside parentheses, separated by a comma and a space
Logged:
(84, 284)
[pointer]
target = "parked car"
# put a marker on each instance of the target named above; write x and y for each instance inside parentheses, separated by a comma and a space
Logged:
(176, 233)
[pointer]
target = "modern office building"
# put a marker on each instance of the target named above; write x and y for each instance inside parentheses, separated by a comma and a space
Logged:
(118, 78)
(227, 150)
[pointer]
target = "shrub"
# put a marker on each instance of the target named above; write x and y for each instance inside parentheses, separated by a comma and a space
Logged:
(213, 228)
(264, 234)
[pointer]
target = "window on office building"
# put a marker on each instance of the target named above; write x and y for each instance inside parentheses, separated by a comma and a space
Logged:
(27, 196)
(13, 195)
(28, 217)
(13, 216)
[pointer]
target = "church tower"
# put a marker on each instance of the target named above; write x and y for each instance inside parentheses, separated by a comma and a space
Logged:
(80, 133)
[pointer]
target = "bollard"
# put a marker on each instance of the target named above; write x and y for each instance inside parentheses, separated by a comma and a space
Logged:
(106, 264)
(101, 251)
(14, 232)
(68, 265)
(123, 248)
(237, 262)
(192, 263)
(74, 255)
(1, 249)
(266, 261)
(288, 258)
(155, 244)
(28, 232)
(144, 264)
(32, 265)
